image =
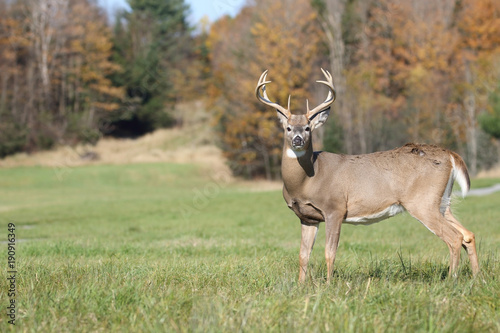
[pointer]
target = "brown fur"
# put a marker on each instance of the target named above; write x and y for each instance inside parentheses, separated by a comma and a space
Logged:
(329, 187)
(321, 186)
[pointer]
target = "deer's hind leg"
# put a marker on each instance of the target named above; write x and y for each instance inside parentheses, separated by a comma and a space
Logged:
(469, 241)
(333, 224)
(431, 217)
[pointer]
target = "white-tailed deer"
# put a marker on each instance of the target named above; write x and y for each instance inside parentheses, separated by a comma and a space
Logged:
(364, 189)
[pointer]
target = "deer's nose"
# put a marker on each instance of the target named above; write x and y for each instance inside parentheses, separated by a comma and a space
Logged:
(298, 141)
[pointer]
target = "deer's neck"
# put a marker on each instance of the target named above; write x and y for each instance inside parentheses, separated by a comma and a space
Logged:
(297, 167)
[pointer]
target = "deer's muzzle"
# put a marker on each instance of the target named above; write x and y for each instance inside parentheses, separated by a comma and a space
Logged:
(298, 142)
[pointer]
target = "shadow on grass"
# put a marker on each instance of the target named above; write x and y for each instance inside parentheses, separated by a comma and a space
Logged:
(390, 270)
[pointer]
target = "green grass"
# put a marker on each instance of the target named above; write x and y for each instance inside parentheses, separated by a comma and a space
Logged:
(484, 182)
(158, 247)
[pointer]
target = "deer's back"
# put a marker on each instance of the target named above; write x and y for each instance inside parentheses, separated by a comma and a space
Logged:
(389, 175)
(361, 184)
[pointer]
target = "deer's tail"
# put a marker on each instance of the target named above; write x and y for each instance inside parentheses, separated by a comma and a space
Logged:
(460, 174)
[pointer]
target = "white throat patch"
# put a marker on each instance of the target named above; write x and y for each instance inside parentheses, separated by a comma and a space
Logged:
(295, 154)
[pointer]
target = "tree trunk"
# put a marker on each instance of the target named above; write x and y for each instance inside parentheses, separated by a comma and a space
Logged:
(3, 97)
(332, 25)
(471, 121)
(267, 162)
(362, 132)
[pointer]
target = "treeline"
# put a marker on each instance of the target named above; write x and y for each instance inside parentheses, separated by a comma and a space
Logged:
(417, 70)
(67, 75)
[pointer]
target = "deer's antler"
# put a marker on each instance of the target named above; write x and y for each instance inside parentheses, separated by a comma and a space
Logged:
(329, 99)
(261, 85)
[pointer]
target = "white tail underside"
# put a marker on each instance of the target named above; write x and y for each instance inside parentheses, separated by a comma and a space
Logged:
(459, 176)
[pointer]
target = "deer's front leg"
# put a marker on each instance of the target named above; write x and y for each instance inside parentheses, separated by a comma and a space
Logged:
(309, 231)
(333, 223)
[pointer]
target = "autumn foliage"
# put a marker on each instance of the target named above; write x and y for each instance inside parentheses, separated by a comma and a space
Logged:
(284, 38)
(407, 71)
(67, 77)
(54, 73)
(417, 70)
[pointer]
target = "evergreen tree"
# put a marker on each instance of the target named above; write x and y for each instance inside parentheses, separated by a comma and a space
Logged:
(490, 122)
(150, 43)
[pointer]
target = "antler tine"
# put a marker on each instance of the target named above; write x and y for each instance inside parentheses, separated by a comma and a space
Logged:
(261, 85)
(329, 99)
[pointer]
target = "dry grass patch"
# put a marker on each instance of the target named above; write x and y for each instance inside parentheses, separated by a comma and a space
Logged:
(193, 142)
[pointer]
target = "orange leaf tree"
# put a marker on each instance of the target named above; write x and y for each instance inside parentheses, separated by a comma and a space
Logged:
(280, 35)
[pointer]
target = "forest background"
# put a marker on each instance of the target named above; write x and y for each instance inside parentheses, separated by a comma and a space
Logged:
(416, 70)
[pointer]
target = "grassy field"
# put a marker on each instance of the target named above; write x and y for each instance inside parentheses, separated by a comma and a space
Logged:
(165, 247)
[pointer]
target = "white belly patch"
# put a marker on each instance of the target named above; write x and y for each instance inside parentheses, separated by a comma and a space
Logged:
(377, 217)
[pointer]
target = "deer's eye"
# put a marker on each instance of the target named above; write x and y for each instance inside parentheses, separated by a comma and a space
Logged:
(308, 129)
(288, 128)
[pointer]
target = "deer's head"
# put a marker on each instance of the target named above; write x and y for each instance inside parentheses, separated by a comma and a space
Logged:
(298, 126)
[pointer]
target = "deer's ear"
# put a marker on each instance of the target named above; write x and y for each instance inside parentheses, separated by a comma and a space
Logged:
(319, 118)
(283, 119)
